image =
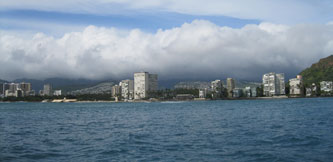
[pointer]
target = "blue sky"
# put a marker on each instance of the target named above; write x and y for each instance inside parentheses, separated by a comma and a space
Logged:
(145, 21)
(149, 16)
(187, 39)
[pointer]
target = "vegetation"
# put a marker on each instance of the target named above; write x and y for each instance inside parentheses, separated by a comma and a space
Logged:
(320, 71)
(171, 93)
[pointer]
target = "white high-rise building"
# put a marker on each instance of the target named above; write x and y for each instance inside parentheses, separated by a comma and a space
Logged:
(273, 84)
(127, 89)
(9, 89)
(217, 88)
(143, 83)
(47, 91)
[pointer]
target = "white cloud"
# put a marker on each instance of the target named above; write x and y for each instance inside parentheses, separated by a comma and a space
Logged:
(194, 50)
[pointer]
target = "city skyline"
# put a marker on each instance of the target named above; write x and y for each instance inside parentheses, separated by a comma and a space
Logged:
(112, 39)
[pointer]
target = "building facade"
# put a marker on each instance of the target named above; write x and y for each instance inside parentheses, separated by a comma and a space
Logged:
(296, 86)
(202, 93)
(273, 84)
(127, 89)
(10, 90)
(57, 93)
(1, 90)
(26, 88)
(47, 90)
(116, 91)
(247, 92)
(144, 83)
(326, 86)
(216, 89)
(237, 92)
(230, 86)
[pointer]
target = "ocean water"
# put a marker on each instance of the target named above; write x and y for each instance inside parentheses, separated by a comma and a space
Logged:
(245, 130)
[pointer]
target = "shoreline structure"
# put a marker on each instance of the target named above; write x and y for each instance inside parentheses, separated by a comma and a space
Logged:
(155, 100)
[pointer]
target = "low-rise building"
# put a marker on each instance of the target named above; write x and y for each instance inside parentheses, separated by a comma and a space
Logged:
(202, 93)
(247, 92)
(326, 86)
(237, 92)
(254, 92)
(57, 93)
(184, 97)
(308, 92)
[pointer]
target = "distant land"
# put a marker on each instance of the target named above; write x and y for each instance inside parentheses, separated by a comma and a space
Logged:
(320, 71)
(202, 84)
(101, 88)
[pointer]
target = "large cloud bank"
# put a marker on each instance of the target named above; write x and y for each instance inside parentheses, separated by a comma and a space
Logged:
(199, 49)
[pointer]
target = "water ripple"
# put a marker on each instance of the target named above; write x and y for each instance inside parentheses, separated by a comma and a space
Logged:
(261, 130)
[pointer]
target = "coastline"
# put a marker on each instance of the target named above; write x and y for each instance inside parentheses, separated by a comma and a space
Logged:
(156, 100)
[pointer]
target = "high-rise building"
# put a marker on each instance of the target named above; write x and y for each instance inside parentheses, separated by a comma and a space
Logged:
(116, 91)
(296, 86)
(230, 86)
(47, 91)
(26, 88)
(1, 89)
(143, 83)
(153, 83)
(127, 89)
(217, 89)
(273, 84)
(9, 89)
(281, 87)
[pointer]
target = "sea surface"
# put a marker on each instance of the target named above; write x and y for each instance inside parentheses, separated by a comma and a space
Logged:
(243, 130)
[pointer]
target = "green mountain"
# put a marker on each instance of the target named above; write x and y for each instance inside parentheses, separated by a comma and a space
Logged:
(320, 71)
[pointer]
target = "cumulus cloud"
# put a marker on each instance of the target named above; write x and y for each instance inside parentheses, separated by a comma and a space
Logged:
(199, 49)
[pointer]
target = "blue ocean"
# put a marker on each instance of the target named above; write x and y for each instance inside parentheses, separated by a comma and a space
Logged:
(226, 130)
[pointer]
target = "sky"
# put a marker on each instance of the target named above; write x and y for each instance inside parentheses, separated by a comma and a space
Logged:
(197, 40)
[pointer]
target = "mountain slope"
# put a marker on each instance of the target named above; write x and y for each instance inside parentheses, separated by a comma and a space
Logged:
(320, 71)
(102, 88)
